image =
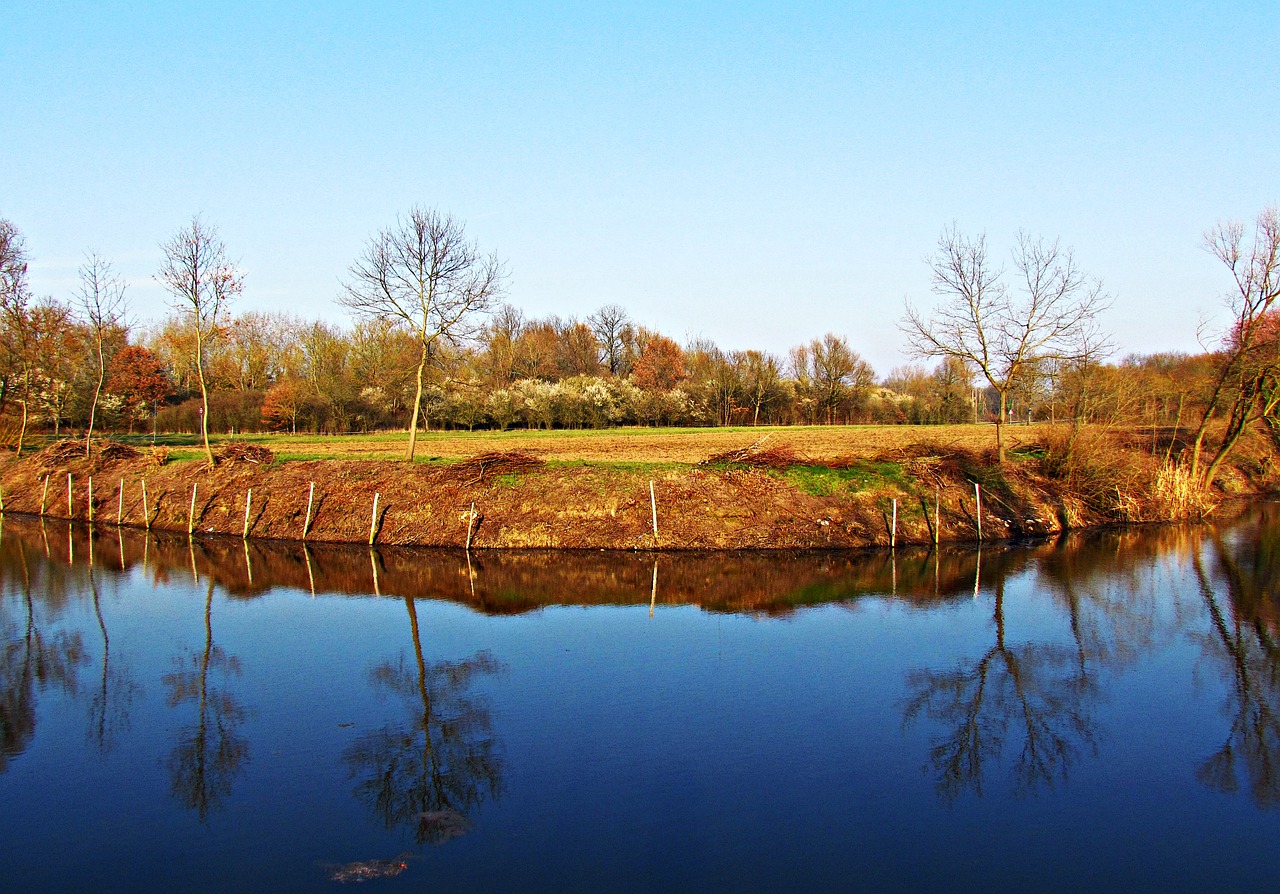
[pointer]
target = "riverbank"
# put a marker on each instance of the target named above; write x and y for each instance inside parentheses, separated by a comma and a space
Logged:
(752, 498)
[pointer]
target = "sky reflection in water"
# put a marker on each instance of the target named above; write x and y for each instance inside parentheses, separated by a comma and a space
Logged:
(1099, 712)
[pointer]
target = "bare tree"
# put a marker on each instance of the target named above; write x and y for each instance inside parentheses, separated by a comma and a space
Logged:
(1052, 316)
(102, 300)
(425, 272)
(15, 330)
(763, 380)
(836, 373)
(1249, 365)
(611, 324)
(202, 283)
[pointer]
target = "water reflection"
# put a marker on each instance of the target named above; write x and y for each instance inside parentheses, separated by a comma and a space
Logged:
(505, 583)
(110, 705)
(1023, 706)
(32, 659)
(1036, 697)
(210, 751)
(1026, 706)
(1242, 642)
(432, 769)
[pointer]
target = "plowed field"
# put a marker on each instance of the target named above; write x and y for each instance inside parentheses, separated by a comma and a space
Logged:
(641, 445)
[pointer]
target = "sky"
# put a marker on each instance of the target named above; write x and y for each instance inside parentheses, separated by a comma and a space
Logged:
(757, 174)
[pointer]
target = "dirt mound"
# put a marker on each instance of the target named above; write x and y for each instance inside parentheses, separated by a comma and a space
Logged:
(249, 453)
(473, 469)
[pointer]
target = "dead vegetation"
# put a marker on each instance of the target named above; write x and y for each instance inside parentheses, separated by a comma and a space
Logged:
(768, 494)
(240, 452)
(68, 452)
(474, 469)
(779, 456)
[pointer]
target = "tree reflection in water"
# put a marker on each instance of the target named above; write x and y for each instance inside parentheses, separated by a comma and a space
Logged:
(109, 707)
(1242, 640)
(30, 662)
(1037, 695)
(210, 752)
(429, 772)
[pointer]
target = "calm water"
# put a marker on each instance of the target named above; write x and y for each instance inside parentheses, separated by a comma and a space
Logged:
(1101, 713)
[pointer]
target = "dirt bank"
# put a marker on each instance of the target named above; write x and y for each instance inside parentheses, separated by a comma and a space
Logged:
(524, 502)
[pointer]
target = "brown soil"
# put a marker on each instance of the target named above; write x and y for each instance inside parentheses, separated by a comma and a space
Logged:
(514, 500)
(649, 445)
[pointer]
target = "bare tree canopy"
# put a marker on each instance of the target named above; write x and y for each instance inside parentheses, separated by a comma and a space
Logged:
(16, 338)
(202, 283)
(1003, 333)
(1247, 382)
(101, 298)
(13, 261)
(425, 272)
(610, 324)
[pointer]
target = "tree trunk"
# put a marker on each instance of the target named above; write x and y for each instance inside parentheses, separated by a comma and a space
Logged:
(417, 403)
(93, 407)
(22, 432)
(1000, 429)
(204, 397)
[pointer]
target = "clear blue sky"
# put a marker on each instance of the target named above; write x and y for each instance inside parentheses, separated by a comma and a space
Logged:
(758, 173)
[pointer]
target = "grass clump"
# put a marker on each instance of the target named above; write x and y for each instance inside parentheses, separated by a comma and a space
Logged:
(860, 475)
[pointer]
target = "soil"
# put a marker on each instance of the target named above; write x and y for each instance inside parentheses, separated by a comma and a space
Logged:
(516, 500)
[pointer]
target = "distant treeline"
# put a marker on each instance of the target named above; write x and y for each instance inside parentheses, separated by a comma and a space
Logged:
(277, 372)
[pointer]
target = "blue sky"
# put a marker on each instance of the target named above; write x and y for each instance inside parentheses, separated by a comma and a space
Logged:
(758, 174)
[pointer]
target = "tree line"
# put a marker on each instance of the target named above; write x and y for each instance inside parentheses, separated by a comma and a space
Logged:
(432, 342)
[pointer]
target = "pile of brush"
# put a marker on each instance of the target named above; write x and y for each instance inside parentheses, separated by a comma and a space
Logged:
(111, 451)
(473, 469)
(239, 451)
(757, 455)
(61, 452)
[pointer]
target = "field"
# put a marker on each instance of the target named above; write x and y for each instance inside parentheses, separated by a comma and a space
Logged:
(621, 446)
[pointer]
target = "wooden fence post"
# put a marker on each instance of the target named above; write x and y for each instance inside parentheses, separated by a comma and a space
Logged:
(306, 523)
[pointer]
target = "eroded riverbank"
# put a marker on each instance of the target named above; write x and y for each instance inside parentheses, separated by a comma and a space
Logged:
(917, 495)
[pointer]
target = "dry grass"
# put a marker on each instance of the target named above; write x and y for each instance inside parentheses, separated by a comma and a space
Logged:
(642, 445)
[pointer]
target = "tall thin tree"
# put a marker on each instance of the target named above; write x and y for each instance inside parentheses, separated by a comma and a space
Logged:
(425, 272)
(15, 320)
(202, 283)
(102, 300)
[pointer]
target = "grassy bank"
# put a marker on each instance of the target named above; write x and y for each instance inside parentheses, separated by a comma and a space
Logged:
(713, 489)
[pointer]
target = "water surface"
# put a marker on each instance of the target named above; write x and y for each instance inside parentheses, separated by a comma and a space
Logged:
(1099, 712)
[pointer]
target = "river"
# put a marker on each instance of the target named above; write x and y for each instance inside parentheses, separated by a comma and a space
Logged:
(1098, 712)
